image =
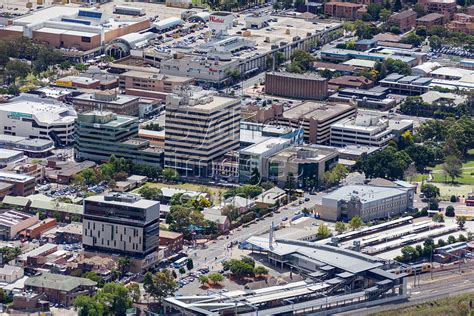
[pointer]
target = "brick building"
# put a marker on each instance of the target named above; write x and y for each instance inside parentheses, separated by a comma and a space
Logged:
(430, 20)
(463, 23)
(172, 241)
(345, 10)
(405, 20)
(445, 7)
(301, 86)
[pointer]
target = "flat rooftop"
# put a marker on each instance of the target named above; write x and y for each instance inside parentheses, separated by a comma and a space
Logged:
(7, 176)
(121, 99)
(48, 113)
(316, 111)
(139, 203)
(12, 218)
(8, 153)
(365, 193)
(268, 144)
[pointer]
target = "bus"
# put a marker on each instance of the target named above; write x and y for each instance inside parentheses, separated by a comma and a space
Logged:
(180, 263)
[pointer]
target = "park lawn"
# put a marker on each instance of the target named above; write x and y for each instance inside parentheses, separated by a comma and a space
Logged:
(446, 189)
(438, 175)
(187, 186)
(452, 306)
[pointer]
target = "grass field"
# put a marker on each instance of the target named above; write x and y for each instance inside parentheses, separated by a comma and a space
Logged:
(453, 306)
(438, 175)
(214, 191)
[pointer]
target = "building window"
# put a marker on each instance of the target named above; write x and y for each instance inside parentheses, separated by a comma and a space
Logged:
(86, 39)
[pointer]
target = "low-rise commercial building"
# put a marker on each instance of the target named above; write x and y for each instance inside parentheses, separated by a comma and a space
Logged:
(301, 86)
(60, 289)
(13, 222)
(358, 82)
(172, 241)
(374, 98)
(150, 84)
(316, 119)
(9, 157)
(271, 198)
(109, 101)
(305, 165)
(16, 184)
(9, 274)
(37, 119)
(102, 134)
(410, 85)
(369, 202)
(405, 20)
(33, 148)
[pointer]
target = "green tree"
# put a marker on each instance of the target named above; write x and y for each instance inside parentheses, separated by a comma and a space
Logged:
(160, 285)
(340, 227)
(267, 185)
(123, 264)
(409, 253)
(134, 291)
(170, 174)
(260, 270)
(182, 271)
(452, 167)
(150, 193)
(461, 221)
(430, 191)
(355, 222)
(203, 279)
(88, 306)
(323, 231)
(441, 243)
(385, 14)
(216, 277)
(374, 10)
(16, 69)
(450, 211)
(114, 298)
(420, 10)
(451, 239)
(438, 218)
(190, 264)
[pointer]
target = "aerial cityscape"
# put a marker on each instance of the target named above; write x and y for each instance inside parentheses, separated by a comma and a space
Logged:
(237, 157)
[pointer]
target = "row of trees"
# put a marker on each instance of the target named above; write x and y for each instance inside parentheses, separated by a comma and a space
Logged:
(425, 251)
(415, 106)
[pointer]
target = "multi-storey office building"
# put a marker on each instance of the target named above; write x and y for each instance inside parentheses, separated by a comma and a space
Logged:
(102, 134)
(121, 223)
(367, 130)
(107, 101)
(316, 119)
(199, 129)
(35, 119)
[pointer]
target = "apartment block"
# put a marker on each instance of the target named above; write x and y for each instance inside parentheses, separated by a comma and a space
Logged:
(16, 184)
(463, 23)
(121, 224)
(199, 129)
(445, 7)
(430, 20)
(345, 10)
(405, 20)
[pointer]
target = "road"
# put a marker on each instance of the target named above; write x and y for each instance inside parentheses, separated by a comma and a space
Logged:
(216, 250)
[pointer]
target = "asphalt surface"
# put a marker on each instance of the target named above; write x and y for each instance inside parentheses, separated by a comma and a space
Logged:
(215, 253)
